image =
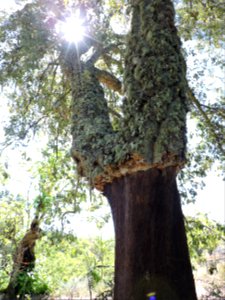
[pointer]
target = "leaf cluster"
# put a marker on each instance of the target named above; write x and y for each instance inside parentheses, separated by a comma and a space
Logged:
(203, 236)
(203, 20)
(13, 220)
(74, 266)
(60, 189)
(31, 284)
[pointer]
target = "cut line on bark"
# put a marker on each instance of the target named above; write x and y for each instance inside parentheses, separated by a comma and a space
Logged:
(135, 164)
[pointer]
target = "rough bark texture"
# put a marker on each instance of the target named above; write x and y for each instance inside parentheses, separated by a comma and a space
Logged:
(136, 164)
(24, 259)
(152, 132)
(151, 248)
(155, 84)
(93, 136)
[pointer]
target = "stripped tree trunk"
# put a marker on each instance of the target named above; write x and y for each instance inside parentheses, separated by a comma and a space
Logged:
(151, 247)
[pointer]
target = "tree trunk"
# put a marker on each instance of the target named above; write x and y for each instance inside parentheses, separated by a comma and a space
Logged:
(24, 260)
(151, 248)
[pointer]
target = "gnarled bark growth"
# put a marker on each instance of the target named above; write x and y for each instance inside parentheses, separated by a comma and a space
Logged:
(24, 259)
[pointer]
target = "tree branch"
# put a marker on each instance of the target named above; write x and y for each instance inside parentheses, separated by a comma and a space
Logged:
(215, 109)
(207, 120)
(74, 204)
(110, 60)
(101, 51)
(115, 113)
(109, 80)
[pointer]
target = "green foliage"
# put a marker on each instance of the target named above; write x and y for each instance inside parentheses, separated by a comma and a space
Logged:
(203, 236)
(60, 190)
(70, 265)
(62, 261)
(40, 95)
(31, 62)
(201, 26)
(202, 20)
(13, 220)
(191, 178)
(30, 283)
(206, 68)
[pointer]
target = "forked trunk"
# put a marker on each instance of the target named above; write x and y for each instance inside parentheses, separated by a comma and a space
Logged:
(151, 248)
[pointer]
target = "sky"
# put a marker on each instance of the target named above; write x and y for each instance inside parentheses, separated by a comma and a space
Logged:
(210, 200)
(8, 5)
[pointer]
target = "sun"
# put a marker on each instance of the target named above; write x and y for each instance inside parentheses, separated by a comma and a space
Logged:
(72, 29)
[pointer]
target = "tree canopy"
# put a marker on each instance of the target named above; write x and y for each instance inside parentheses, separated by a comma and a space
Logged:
(37, 76)
(31, 62)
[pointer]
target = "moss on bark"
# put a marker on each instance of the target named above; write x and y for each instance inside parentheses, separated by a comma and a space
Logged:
(155, 84)
(153, 129)
(93, 135)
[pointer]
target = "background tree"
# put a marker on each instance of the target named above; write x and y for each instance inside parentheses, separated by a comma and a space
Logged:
(61, 258)
(148, 133)
(24, 260)
(63, 261)
(61, 266)
(10, 224)
(205, 240)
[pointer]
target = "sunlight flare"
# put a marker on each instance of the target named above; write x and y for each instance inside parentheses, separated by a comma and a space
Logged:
(72, 29)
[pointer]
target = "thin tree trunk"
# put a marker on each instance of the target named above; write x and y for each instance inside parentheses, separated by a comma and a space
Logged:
(151, 248)
(24, 260)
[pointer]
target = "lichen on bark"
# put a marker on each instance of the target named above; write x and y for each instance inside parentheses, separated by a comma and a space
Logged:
(153, 128)
(155, 84)
(92, 132)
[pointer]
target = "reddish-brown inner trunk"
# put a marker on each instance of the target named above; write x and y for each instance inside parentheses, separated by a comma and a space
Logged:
(151, 248)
